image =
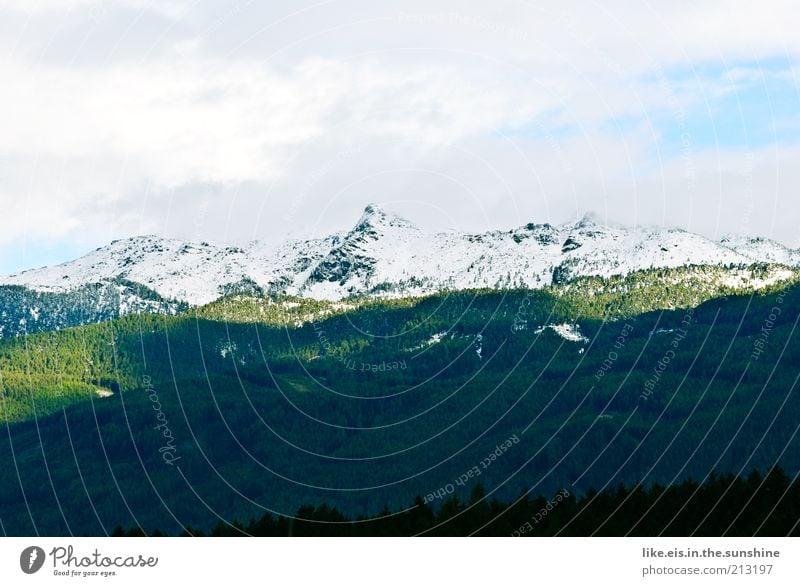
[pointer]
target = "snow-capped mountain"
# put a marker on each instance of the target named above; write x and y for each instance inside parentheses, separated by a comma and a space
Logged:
(384, 254)
(762, 248)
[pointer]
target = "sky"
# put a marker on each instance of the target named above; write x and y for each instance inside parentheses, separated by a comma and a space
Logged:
(233, 121)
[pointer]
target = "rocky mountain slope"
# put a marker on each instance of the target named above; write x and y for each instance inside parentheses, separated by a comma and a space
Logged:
(384, 254)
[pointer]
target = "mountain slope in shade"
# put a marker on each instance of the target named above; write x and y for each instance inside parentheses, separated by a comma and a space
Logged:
(384, 254)
(27, 311)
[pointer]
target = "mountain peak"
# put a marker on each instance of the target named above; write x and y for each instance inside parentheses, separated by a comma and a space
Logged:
(374, 209)
(376, 217)
(590, 219)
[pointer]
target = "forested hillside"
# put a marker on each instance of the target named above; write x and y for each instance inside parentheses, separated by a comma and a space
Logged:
(367, 408)
(27, 311)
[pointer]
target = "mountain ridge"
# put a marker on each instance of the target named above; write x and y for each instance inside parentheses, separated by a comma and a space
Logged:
(384, 254)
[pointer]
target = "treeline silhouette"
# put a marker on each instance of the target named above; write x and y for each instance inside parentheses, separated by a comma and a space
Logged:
(734, 506)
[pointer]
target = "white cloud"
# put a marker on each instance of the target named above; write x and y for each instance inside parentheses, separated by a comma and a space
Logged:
(526, 111)
(195, 119)
(43, 6)
(93, 9)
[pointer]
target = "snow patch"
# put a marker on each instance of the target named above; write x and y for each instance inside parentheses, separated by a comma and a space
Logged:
(570, 332)
(434, 339)
(227, 348)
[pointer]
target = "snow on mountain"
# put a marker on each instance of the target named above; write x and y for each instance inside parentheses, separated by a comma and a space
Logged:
(570, 332)
(762, 249)
(286, 268)
(172, 268)
(384, 254)
(379, 249)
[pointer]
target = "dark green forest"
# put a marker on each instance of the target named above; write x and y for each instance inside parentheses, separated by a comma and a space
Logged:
(756, 505)
(254, 407)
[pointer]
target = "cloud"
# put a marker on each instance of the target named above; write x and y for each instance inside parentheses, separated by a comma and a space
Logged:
(93, 9)
(122, 116)
(94, 133)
